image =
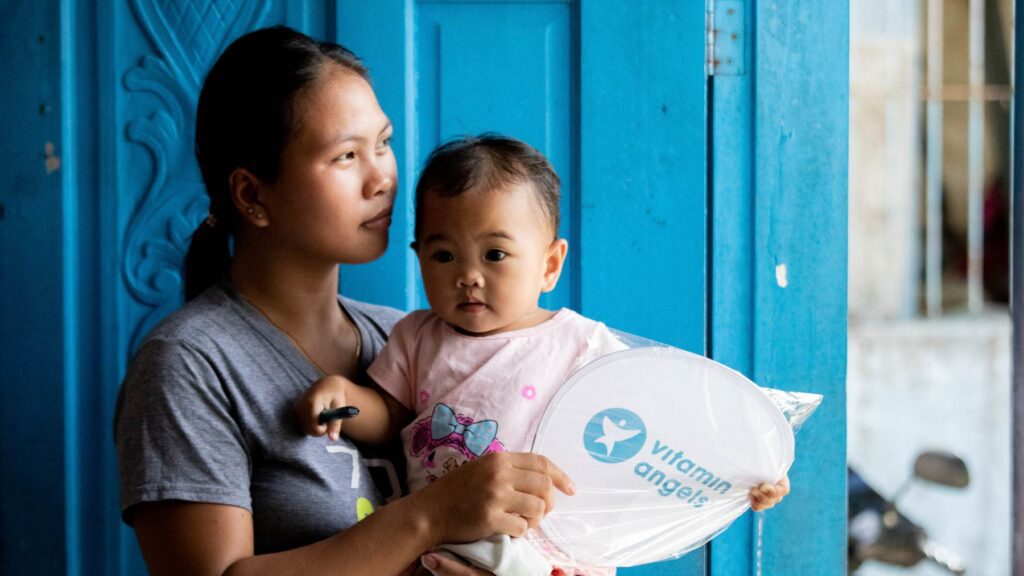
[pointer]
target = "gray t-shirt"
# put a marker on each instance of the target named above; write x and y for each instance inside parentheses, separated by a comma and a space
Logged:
(205, 415)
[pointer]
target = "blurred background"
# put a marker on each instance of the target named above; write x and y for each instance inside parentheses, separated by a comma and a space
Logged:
(929, 326)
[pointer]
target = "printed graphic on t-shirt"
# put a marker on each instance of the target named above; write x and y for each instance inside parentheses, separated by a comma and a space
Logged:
(363, 508)
(445, 440)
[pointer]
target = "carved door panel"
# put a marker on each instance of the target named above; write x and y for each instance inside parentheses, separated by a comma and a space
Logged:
(160, 197)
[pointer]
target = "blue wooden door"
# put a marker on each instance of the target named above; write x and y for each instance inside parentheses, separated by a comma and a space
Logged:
(32, 333)
(614, 94)
(103, 197)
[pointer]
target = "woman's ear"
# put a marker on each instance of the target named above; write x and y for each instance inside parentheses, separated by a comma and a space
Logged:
(553, 262)
(247, 192)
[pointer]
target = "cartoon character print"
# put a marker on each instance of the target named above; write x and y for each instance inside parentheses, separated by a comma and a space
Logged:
(447, 433)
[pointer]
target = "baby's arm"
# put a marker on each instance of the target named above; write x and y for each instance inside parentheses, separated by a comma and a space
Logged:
(765, 496)
(380, 416)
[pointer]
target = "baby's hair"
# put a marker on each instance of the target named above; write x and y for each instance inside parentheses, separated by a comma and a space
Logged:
(247, 114)
(489, 162)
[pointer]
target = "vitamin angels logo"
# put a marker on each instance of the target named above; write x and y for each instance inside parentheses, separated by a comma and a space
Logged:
(614, 435)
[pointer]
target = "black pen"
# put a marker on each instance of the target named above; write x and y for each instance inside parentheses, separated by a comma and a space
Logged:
(336, 413)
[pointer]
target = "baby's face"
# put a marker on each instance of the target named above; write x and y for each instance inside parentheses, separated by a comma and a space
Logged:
(486, 256)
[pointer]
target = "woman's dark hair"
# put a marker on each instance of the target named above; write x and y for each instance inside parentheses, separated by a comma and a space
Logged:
(484, 163)
(245, 118)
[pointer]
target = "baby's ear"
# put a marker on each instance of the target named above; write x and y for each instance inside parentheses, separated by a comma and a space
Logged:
(553, 262)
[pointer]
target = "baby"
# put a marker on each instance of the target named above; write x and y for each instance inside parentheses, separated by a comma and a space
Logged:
(473, 374)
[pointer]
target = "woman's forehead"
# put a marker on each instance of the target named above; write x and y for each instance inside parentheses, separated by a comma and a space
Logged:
(341, 106)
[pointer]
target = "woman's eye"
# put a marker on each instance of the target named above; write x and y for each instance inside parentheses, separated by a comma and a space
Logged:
(442, 256)
(496, 255)
(350, 155)
(385, 143)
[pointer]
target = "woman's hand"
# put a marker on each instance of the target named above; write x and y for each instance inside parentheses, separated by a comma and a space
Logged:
(502, 492)
(766, 495)
(442, 566)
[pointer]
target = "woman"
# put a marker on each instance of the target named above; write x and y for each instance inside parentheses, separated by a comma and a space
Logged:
(216, 478)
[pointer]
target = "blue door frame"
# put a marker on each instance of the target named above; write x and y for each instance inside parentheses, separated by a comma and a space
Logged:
(779, 264)
(740, 194)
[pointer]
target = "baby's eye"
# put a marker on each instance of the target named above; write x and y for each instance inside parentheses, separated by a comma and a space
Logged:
(442, 256)
(496, 255)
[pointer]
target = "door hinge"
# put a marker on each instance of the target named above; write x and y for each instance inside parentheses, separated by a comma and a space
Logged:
(725, 48)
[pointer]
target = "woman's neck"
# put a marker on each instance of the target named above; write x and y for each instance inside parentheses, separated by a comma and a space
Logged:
(299, 297)
(301, 300)
(284, 284)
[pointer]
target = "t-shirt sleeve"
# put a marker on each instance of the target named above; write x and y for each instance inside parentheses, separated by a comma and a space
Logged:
(392, 369)
(175, 433)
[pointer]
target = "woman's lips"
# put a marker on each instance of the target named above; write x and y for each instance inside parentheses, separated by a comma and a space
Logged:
(382, 220)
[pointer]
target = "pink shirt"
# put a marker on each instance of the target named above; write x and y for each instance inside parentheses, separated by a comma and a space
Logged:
(478, 394)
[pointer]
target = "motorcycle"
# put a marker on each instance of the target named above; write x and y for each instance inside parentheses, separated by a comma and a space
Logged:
(878, 531)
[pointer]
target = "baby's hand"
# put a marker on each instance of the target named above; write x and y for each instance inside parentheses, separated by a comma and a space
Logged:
(325, 394)
(766, 495)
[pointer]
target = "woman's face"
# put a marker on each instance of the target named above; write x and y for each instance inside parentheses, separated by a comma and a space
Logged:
(332, 199)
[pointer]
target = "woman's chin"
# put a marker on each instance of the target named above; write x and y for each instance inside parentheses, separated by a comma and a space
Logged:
(367, 254)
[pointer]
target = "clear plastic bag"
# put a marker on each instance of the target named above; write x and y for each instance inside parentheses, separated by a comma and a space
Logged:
(663, 446)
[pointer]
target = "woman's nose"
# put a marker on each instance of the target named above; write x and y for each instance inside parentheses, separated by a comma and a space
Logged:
(381, 178)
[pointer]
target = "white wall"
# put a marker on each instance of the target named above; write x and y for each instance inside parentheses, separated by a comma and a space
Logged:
(885, 157)
(917, 384)
(937, 384)
(887, 136)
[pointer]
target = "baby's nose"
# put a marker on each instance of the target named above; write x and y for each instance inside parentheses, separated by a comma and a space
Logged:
(469, 276)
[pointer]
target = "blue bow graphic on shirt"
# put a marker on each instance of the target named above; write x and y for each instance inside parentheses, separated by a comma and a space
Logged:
(476, 436)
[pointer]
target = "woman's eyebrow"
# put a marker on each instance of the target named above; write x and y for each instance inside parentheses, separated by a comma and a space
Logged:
(347, 137)
(338, 140)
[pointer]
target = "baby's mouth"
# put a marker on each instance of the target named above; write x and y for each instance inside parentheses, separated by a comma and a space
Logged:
(471, 305)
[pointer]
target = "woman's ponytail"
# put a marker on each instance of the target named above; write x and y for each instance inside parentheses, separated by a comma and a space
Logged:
(208, 256)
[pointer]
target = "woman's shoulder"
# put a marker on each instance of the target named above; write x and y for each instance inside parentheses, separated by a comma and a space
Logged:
(375, 323)
(208, 317)
(204, 333)
(383, 317)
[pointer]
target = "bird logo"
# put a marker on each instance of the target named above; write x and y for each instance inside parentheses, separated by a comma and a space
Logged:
(614, 435)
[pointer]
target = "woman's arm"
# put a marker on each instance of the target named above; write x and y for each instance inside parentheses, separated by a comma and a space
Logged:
(502, 492)
(211, 539)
